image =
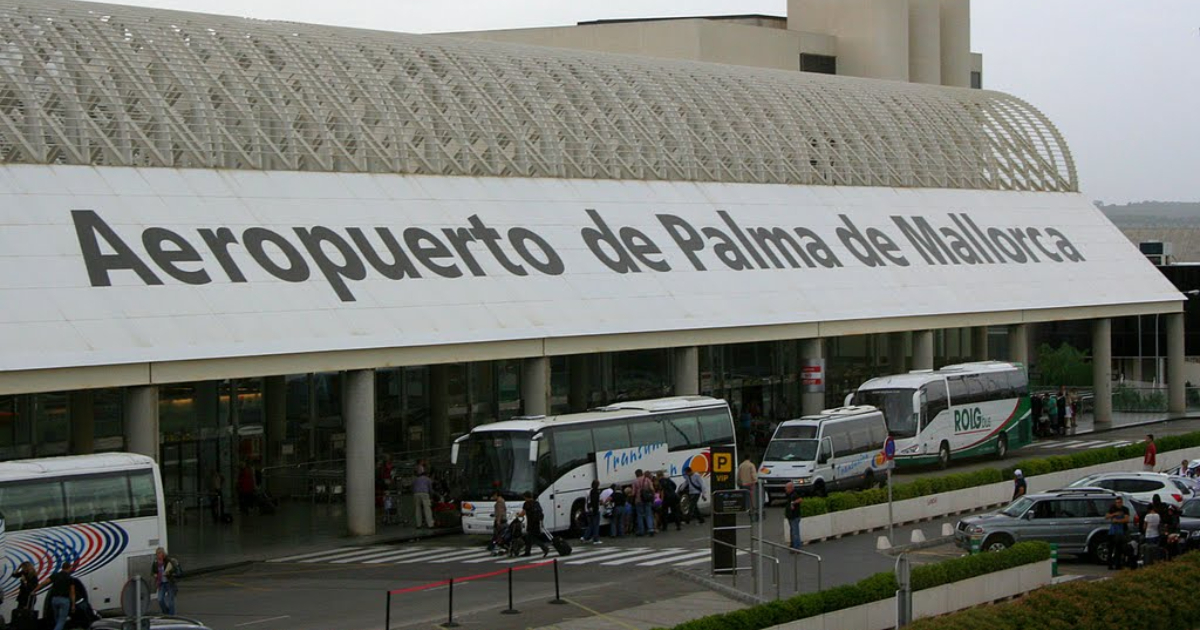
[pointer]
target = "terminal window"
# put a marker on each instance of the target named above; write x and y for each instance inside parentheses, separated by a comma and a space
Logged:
(976, 80)
(824, 64)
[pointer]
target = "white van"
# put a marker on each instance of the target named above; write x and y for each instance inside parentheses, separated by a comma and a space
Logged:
(834, 450)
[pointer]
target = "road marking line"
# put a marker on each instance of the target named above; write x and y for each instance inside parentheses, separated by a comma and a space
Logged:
(354, 557)
(397, 555)
(462, 556)
(316, 554)
(694, 554)
(1090, 444)
(666, 552)
(251, 623)
(1057, 444)
(612, 556)
(1113, 444)
(422, 556)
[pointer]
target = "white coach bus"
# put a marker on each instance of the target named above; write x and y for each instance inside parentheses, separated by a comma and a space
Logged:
(556, 458)
(101, 512)
(958, 411)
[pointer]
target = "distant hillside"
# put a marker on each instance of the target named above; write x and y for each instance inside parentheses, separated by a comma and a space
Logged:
(1154, 214)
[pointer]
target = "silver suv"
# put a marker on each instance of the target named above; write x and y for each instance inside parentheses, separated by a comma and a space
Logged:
(1073, 518)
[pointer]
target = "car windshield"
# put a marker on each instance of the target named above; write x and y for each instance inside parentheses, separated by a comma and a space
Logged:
(897, 408)
(1018, 507)
(791, 451)
(496, 461)
(1191, 509)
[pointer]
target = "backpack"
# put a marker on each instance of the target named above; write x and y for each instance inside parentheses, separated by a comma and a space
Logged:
(647, 494)
(177, 572)
(668, 488)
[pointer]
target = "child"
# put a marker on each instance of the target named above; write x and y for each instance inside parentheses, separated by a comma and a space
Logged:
(389, 509)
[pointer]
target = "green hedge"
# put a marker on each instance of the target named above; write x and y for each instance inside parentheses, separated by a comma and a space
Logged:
(1160, 597)
(872, 589)
(839, 501)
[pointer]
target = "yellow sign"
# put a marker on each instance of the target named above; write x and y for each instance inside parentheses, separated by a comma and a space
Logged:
(722, 462)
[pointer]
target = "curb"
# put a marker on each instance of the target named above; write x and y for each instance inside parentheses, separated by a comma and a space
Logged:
(929, 542)
(715, 586)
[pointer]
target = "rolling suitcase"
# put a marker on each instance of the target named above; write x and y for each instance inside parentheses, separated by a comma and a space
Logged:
(24, 619)
(561, 545)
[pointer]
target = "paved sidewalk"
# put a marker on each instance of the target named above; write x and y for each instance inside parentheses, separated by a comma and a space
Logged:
(666, 613)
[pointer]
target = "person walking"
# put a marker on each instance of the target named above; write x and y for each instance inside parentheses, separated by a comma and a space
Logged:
(748, 480)
(1150, 458)
(1153, 524)
(643, 504)
(216, 493)
(694, 485)
(592, 509)
(62, 595)
(1052, 414)
(792, 512)
(422, 487)
(166, 575)
(532, 511)
(617, 523)
(499, 520)
(670, 499)
(1019, 485)
(27, 586)
(1118, 525)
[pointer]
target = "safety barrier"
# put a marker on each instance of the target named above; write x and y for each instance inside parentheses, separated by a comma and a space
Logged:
(450, 582)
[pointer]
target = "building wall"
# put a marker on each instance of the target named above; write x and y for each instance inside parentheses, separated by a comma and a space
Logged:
(872, 35)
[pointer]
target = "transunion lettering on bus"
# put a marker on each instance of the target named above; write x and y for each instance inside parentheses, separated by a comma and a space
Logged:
(619, 458)
(969, 420)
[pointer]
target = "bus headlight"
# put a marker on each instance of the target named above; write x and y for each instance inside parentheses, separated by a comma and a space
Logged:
(910, 450)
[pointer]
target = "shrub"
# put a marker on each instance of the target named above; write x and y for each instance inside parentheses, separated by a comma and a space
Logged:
(1154, 598)
(872, 589)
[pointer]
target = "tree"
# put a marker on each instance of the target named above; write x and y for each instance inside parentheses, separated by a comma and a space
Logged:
(1064, 366)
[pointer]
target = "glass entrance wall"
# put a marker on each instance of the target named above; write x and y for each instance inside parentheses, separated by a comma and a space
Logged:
(39, 425)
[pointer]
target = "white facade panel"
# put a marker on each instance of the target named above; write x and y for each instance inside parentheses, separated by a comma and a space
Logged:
(57, 315)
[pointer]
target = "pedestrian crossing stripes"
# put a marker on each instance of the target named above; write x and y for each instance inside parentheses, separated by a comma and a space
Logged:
(1081, 444)
(586, 555)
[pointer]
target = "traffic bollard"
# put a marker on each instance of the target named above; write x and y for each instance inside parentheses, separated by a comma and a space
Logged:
(557, 596)
(1053, 560)
(511, 610)
(450, 616)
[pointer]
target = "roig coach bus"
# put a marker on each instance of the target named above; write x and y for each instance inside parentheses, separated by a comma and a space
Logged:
(556, 458)
(958, 411)
(103, 513)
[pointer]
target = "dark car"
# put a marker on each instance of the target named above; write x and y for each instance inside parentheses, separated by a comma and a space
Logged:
(1189, 523)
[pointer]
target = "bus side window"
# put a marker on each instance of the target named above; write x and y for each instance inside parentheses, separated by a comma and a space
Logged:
(647, 430)
(716, 428)
(32, 505)
(94, 499)
(572, 448)
(611, 436)
(933, 401)
(145, 500)
(682, 432)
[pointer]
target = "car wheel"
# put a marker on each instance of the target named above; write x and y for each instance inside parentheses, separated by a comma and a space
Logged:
(819, 488)
(997, 542)
(1100, 550)
(944, 455)
(1002, 446)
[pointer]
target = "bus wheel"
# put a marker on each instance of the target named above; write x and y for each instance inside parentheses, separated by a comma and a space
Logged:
(578, 526)
(944, 455)
(871, 482)
(1002, 446)
(819, 488)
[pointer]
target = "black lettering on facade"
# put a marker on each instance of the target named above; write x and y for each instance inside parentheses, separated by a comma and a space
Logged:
(89, 225)
(552, 265)
(254, 240)
(155, 238)
(218, 242)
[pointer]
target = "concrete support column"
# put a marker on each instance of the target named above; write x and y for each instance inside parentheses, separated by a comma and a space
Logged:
(922, 354)
(687, 371)
(1018, 344)
(83, 422)
(275, 414)
(580, 382)
(979, 343)
(1176, 381)
(535, 386)
(1102, 370)
(812, 396)
(897, 352)
(358, 410)
(141, 420)
(439, 406)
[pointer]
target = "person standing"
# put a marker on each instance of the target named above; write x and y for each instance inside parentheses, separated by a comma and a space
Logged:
(592, 509)
(532, 511)
(499, 521)
(422, 508)
(62, 595)
(1062, 411)
(1019, 485)
(216, 485)
(27, 586)
(643, 504)
(1035, 403)
(1118, 525)
(748, 480)
(166, 575)
(1052, 413)
(618, 512)
(792, 512)
(694, 484)
(670, 498)
(1150, 458)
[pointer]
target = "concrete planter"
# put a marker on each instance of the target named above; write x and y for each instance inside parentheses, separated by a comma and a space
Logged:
(931, 602)
(871, 517)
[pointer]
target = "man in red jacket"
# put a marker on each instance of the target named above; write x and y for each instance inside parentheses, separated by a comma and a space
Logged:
(1151, 457)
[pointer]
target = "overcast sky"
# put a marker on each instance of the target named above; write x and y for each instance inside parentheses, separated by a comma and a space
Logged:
(1119, 78)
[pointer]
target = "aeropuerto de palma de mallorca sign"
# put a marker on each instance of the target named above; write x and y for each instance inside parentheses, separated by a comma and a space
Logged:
(119, 265)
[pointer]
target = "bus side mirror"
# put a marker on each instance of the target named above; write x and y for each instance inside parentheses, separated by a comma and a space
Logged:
(533, 448)
(454, 453)
(848, 400)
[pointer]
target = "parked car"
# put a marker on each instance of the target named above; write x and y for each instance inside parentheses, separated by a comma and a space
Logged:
(1143, 486)
(1073, 518)
(156, 623)
(1189, 523)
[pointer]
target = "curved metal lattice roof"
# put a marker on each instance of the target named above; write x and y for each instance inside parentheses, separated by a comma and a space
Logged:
(84, 83)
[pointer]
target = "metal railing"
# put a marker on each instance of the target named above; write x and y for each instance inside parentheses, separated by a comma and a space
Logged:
(755, 576)
(796, 553)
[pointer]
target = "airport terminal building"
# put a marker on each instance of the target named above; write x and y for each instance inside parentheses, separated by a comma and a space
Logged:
(227, 240)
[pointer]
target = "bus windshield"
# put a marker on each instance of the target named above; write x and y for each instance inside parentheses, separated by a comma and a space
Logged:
(496, 461)
(791, 451)
(897, 408)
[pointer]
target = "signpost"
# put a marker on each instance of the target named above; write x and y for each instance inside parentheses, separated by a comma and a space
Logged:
(730, 501)
(889, 459)
(724, 527)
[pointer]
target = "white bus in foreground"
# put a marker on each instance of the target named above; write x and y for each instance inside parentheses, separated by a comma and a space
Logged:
(556, 458)
(103, 512)
(957, 411)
